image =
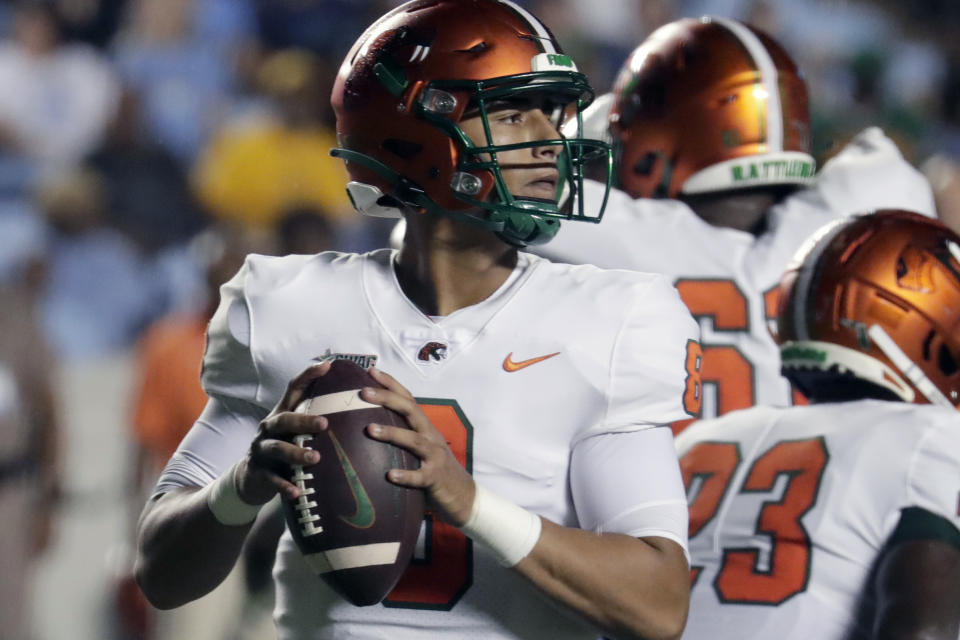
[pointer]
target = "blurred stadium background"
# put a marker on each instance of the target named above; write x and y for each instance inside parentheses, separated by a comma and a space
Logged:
(147, 145)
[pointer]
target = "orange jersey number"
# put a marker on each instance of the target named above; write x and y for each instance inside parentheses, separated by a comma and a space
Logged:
(440, 577)
(709, 466)
(724, 366)
(693, 390)
(712, 465)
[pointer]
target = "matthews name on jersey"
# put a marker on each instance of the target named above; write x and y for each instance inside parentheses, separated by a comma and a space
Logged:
(728, 278)
(790, 508)
(524, 385)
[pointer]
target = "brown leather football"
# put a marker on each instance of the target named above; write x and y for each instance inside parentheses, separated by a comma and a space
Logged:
(356, 530)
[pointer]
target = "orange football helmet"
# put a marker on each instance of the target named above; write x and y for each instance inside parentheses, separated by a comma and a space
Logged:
(706, 105)
(408, 81)
(875, 298)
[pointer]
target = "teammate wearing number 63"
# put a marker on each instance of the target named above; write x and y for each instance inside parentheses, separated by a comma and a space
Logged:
(840, 519)
(717, 189)
(537, 392)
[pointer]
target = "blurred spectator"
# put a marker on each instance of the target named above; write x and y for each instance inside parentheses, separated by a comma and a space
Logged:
(305, 231)
(167, 401)
(148, 197)
(326, 27)
(29, 454)
(254, 172)
(23, 251)
(57, 98)
(170, 397)
(183, 81)
(99, 295)
(91, 21)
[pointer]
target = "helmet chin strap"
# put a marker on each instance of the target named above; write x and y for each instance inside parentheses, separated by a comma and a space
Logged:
(515, 228)
(518, 229)
(409, 194)
(523, 229)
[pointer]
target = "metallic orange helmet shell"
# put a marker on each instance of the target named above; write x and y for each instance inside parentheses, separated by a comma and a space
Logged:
(408, 81)
(878, 297)
(709, 104)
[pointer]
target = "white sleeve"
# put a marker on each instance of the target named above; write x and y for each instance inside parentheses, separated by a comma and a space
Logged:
(596, 120)
(630, 483)
(220, 436)
(934, 475)
(229, 369)
(870, 173)
(223, 432)
(649, 381)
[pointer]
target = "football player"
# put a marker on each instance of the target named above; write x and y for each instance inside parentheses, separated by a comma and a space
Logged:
(538, 421)
(840, 519)
(717, 189)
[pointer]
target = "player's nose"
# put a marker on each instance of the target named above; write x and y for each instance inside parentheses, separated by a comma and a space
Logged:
(542, 128)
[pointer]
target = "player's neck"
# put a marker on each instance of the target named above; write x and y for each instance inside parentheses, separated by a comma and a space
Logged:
(446, 265)
(744, 211)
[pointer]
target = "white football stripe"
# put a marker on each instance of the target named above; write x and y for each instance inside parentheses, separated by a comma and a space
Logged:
(538, 26)
(364, 555)
(349, 400)
(768, 76)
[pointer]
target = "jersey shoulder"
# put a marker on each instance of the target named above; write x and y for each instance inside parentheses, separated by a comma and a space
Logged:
(605, 290)
(933, 466)
(264, 288)
(626, 226)
(263, 274)
(871, 173)
(735, 425)
(634, 331)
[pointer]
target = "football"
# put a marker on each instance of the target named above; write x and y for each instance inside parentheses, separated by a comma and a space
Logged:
(356, 530)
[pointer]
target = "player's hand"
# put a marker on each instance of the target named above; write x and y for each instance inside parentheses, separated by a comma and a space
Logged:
(449, 487)
(261, 473)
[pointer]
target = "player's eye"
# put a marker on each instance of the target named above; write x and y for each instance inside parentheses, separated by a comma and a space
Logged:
(509, 117)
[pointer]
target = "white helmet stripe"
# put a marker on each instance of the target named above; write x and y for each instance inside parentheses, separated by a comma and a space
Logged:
(538, 27)
(805, 260)
(768, 77)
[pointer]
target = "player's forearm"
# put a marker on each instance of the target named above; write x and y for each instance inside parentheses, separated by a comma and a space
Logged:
(629, 587)
(183, 552)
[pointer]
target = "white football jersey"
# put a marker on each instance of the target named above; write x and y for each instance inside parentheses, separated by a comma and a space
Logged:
(518, 384)
(729, 278)
(790, 507)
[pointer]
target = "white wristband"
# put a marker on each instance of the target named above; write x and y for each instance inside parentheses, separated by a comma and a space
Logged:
(506, 529)
(225, 503)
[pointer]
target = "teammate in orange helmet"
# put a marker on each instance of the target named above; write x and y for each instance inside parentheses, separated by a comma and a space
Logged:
(717, 188)
(557, 507)
(839, 519)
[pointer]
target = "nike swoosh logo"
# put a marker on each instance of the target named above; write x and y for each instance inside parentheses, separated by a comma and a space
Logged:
(364, 515)
(511, 366)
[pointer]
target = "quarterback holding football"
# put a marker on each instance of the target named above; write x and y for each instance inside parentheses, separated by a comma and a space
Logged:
(536, 394)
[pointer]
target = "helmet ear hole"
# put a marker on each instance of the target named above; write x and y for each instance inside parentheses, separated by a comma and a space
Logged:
(405, 149)
(645, 165)
(946, 362)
